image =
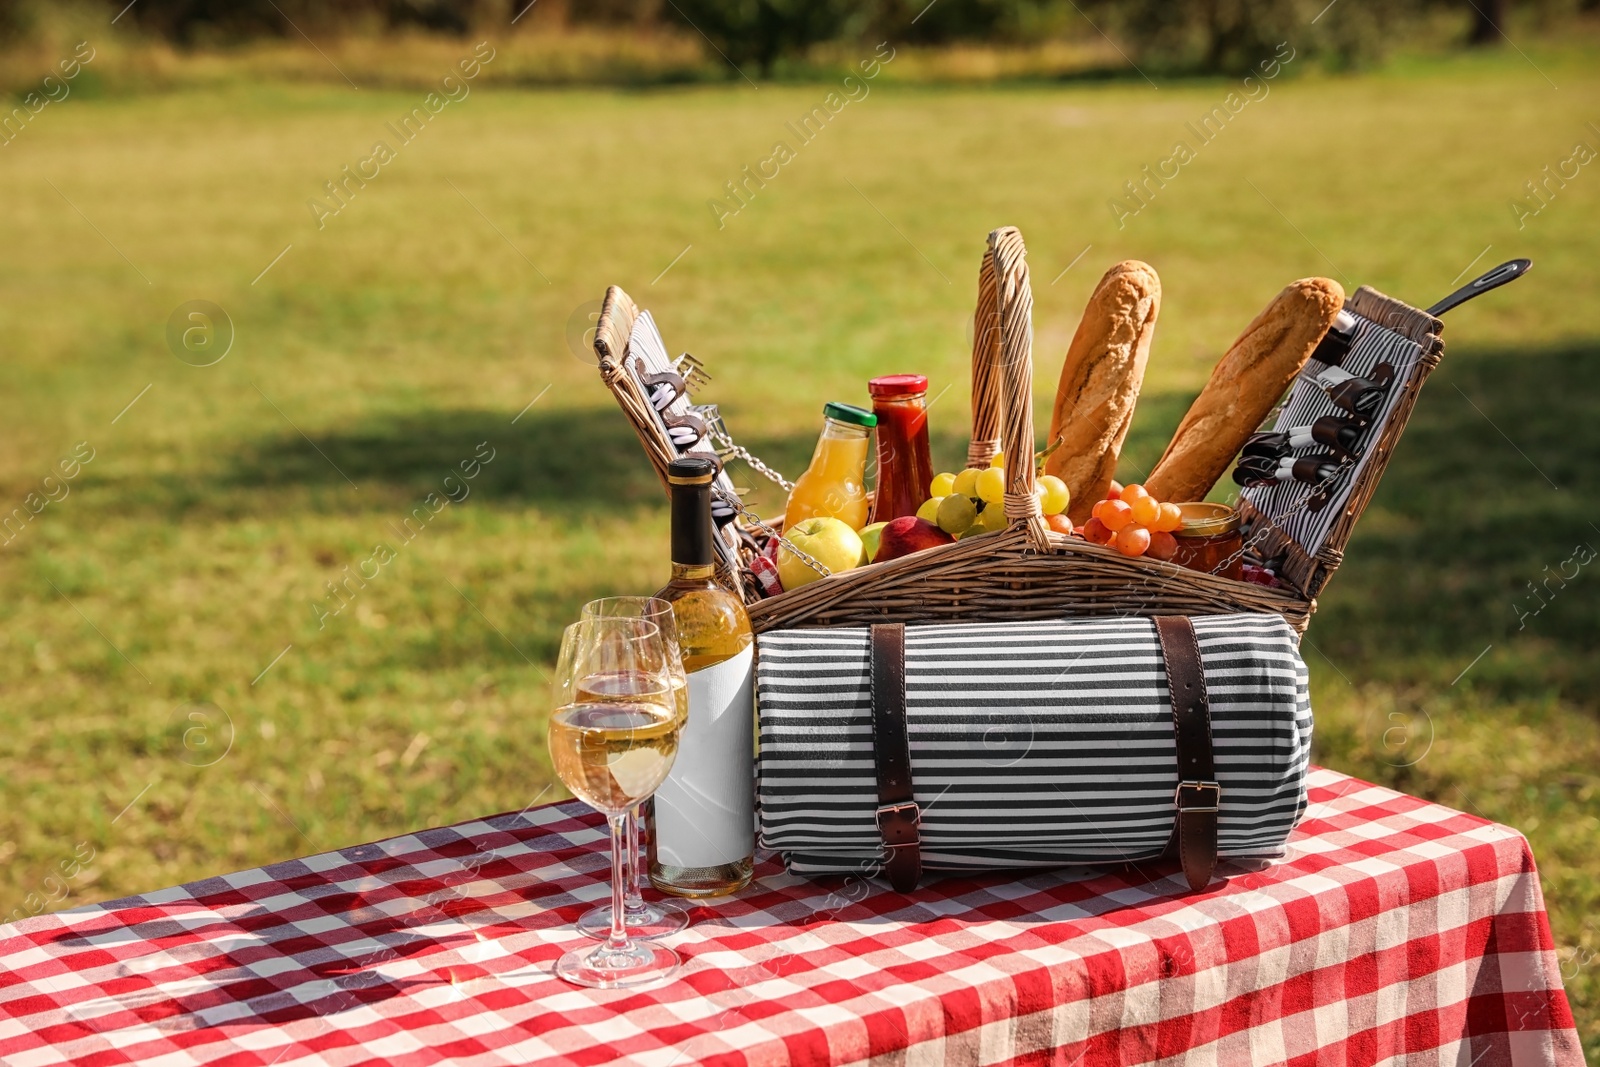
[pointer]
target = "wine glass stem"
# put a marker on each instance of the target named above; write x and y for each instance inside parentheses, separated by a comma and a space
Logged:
(619, 842)
(634, 890)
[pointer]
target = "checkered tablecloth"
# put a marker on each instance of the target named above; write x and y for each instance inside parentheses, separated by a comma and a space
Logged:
(1397, 931)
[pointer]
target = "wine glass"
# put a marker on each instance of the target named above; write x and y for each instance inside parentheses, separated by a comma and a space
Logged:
(643, 918)
(613, 745)
(653, 610)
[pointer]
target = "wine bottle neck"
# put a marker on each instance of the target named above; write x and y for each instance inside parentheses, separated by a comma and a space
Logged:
(691, 527)
(693, 572)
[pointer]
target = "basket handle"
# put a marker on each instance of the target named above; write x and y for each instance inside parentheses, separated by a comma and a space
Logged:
(985, 356)
(1012, 362)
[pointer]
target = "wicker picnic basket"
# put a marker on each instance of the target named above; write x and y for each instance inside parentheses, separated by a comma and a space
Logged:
(1028, 571)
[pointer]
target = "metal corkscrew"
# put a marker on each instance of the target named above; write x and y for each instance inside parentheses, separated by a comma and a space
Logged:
(1264, 470)
(1335, 344)
(1341, 434)
(1361, 397)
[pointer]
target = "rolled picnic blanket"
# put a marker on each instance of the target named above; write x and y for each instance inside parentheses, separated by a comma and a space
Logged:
(1030, 744)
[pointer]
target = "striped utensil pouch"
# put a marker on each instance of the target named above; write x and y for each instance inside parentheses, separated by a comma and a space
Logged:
(896, 749)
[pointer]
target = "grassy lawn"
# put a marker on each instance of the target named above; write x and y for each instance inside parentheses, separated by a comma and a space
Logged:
(173, 695)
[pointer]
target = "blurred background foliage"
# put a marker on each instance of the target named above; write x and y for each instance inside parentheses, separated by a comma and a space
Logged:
(631, 41)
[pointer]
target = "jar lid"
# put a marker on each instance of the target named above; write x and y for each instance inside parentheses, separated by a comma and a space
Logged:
(849, 413)
(1205, 519)
(898, 384)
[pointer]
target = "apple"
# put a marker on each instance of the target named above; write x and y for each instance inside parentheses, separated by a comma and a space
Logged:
(869, 541)
(906, 535)
(829, 541)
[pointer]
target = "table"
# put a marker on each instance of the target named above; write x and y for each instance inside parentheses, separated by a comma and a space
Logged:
(1396, 931)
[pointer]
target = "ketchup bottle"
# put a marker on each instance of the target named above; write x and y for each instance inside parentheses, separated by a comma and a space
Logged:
(905, 469)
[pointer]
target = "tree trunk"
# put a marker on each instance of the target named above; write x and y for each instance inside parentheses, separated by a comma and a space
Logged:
(1487, 16)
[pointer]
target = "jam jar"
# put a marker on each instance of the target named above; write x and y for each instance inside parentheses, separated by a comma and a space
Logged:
(1210, 540)
(905, 469)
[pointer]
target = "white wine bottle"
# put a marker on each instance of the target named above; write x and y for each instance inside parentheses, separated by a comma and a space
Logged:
(700, 825)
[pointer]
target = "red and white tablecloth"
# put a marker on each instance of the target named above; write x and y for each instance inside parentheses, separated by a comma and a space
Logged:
(1397, 931)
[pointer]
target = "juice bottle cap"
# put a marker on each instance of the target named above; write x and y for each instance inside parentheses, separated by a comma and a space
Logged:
(898, 384)
(849, 413)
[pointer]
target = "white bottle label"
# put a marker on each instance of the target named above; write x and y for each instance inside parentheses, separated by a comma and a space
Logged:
(705, 810)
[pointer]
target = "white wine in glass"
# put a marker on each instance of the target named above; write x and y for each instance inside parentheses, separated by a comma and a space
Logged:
(613, 753)
(653, 610)
(643, 918)
(635, 687)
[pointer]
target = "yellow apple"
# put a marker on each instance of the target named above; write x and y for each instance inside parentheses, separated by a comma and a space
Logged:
(829, 541)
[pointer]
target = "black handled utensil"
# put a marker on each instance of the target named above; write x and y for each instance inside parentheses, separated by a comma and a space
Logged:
(1361, 397)
(1339, 434)
(1508, 271)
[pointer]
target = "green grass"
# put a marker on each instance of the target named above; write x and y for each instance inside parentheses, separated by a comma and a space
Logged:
(383, 349)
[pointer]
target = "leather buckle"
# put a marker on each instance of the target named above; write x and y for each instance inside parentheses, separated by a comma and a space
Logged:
(1191, 796)
(900, 824)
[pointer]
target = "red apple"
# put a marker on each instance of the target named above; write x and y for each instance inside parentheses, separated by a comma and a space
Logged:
(909, 534)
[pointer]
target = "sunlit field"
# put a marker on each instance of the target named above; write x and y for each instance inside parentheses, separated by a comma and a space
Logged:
(190, 684)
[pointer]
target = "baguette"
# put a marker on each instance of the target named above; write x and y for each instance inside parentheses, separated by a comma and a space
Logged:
(1243, 388)
(1100, 383)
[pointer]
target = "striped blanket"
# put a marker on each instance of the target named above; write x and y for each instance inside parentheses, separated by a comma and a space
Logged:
(1032, 743)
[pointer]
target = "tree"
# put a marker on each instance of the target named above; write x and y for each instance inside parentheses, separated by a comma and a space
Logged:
(1487, 17)
(1234, 36)
(210, 21)
(1215, 36)
(762, 31)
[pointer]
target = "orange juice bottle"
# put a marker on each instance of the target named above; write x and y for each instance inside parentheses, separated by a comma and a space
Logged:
(835, 483)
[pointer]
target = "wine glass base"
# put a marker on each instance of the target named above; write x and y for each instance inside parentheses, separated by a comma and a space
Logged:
(648, 923)
(605, 967)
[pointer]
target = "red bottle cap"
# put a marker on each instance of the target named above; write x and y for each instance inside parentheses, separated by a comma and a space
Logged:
(898, 384)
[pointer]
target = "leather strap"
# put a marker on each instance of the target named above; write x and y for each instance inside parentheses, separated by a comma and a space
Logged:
(899, 818)
(1198, 797)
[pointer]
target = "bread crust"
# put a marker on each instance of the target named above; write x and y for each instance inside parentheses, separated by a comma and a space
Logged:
(1100, 382)
(1244, 386)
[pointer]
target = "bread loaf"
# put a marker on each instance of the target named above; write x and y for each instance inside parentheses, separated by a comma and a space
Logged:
(1100, 382)
(1243, 388)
